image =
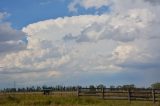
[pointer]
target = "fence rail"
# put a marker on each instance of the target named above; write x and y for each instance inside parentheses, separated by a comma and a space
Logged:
(114, 93)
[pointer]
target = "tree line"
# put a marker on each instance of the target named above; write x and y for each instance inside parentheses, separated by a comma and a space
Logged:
(73, 88)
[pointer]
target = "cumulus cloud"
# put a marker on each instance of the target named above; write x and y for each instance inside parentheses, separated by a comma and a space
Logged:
(11, 39)
(110, 43)
(125, 40)
(3, 15)
(94, 27)
(41, 57)
(7, 33)
(156, 2)
(87, 4)
(11, 46)
(145, 53)
(121, 27)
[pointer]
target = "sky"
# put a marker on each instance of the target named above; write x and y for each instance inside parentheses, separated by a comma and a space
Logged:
(79, 42)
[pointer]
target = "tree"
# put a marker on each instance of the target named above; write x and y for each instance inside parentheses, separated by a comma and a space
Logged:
(112, 87)
(92, 88)
(101, 86)
(131, 86)
(156, 85)
(119, 87)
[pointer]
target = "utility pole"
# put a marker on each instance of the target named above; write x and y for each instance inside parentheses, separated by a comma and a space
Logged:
(14, 85)
(14, 88)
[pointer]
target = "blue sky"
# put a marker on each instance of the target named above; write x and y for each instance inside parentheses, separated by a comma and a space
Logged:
(82, 42)
(24, 12)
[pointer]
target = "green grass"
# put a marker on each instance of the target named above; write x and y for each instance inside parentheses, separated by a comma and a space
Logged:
(36, 99)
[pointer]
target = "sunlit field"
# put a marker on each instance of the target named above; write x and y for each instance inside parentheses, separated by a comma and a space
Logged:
(64, 99)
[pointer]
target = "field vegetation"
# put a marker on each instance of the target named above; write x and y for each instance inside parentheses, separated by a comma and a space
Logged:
(64, 99)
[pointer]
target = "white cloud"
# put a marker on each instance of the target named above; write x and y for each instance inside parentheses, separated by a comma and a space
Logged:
(94, 3)
(94, 27)
(126, 39)
(11, 40)
(55, 29)
(3, 15)
(156, 2)
(122, 29)
(122, 52)
(88, 4)
(36, 57)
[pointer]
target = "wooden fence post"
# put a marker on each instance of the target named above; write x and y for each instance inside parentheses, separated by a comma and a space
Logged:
(102, 93)
(129, 95)
(153, 96)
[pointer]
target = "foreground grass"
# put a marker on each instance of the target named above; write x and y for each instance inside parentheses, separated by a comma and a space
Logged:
(65, 100)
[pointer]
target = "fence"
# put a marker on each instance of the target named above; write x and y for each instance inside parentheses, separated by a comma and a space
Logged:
(115, 93)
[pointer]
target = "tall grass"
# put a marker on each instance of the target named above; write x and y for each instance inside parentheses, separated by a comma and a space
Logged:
(64, 100)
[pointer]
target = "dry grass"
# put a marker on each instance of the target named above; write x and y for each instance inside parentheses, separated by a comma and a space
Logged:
(64, 99)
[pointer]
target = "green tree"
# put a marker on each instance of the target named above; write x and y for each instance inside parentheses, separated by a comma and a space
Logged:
(156, 85)
(92, 88)
(101, 86)
(112, 87)
(131, 86)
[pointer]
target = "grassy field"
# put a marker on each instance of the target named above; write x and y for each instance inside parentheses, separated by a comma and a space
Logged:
(64, 99)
